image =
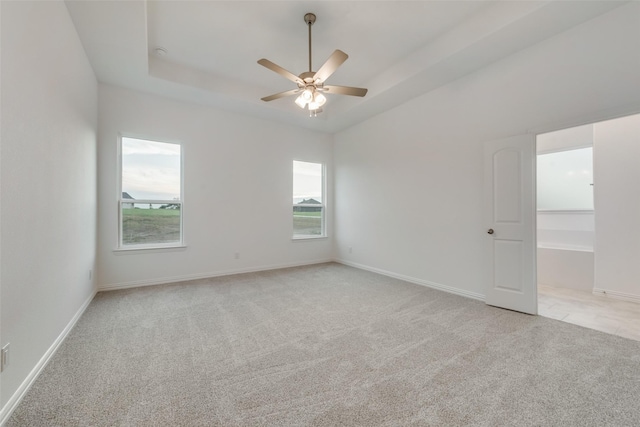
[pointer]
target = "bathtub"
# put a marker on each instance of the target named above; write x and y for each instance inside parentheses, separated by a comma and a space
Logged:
(565, 249)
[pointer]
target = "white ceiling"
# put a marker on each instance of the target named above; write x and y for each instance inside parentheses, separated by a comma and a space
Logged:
(397, 49)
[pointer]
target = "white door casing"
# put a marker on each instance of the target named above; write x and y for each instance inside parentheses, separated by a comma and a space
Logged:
(509, 184)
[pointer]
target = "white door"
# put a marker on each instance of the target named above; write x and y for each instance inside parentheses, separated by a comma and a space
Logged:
(509, 185)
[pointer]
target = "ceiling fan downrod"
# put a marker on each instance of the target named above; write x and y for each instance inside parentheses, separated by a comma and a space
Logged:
(310, 18)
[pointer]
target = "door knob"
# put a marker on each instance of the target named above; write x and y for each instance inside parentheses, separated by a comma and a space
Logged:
(490, 231)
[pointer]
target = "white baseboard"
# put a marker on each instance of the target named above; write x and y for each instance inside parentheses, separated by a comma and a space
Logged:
(617, 295)
(14, 401)
(409, 279)
(183, 278)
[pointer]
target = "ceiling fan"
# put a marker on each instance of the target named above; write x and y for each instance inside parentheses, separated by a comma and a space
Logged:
(311, 84)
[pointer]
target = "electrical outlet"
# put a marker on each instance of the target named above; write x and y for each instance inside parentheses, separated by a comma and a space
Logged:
(237, 255)
(350, 249)
(4, 357)
(90, 274)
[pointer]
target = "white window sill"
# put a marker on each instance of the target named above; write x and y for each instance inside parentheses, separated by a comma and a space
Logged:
(566, 211)
(303, 238)
(148, 249)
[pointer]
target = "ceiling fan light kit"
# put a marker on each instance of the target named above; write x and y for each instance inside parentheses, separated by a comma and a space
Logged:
(311, 84)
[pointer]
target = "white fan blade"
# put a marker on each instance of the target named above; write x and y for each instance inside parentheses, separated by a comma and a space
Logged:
(280, 95)
(331, 65)
(278, 69)
(345, 90)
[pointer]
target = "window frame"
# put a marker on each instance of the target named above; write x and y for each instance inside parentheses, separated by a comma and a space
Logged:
(120, 200)
(323, 205)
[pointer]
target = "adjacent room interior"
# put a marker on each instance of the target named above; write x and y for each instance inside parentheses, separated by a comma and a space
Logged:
(369, 198)
(577, 263)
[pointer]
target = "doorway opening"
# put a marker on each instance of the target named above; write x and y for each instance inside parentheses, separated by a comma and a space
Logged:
(588, 232)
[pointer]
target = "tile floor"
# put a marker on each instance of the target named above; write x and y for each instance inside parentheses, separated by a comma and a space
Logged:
(591, 311)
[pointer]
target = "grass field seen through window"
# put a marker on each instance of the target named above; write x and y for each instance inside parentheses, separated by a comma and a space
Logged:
(307, 223)
(148, 226)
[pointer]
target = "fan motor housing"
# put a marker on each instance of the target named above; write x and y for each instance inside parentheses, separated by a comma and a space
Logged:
(307, 76)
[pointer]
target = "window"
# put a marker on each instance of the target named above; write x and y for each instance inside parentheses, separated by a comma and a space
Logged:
(150, 194)
(565, 180)
(308, 200)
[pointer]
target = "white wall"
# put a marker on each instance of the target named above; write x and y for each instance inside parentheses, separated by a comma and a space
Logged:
(617, 206)
(49, 106)
(566, 230)
(409, 193)
(237, 190)
(565, 139)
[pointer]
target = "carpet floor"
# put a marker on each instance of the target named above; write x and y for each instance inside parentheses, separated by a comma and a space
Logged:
(327, 345)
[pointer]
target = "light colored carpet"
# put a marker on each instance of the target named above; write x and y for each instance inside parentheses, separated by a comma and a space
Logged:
(327, 345)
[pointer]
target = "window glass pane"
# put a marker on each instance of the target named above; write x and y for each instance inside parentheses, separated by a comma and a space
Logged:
(307, 182)
(150, 223)
(308, 208)
(150, 170)
(565, 180)
(307, 221)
